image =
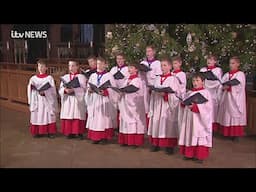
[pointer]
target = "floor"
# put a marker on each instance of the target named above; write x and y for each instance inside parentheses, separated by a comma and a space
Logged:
(19, 150)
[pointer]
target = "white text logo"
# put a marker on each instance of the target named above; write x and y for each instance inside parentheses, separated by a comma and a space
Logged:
(29, 34)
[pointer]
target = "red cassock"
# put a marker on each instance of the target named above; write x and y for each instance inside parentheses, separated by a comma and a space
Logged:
(73, 107)
(232, 108)
(44, 107)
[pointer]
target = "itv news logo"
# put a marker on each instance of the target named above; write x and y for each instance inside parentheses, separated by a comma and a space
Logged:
(28, 34)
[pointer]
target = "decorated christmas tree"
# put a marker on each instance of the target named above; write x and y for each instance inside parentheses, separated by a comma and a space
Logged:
(193, 42)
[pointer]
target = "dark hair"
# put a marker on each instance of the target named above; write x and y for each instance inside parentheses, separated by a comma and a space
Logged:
(177, 58)
(134, 64)
(198, 74)
(211, 56)
(42, 62)
(91, 57)
(236, 58)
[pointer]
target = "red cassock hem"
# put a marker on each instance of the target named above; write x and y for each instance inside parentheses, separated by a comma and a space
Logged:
(199, 152)
(163, 142)
(72, 126)
(215, 126)
(99, 135)
(232, 130)
(131, 139)
(43, 129)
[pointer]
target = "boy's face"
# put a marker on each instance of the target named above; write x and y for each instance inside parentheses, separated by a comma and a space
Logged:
(211, 62)
(41, 68)
(120, 60)
(132, 70)
(101, 66)
(166, 67)
(73, 67)
(233, 64)
(176, 65)
(92, 63)
(197, 82)
(150, 53)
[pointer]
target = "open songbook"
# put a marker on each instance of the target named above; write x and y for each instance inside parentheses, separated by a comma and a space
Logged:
(209, 75)
(231, 82)
(118, 75)
(126, 89)
(87, 74)
(97, 90)
(197, 98)
(74, 83)
(162, 89)
(144, 68)
(44, 87)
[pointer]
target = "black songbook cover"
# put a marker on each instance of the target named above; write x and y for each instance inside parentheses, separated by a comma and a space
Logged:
(89, 73)
(105, 85)
(129, 89)
(209, 75)
(144, 68)
(44, 87)
(164, 89)
(74, 83)
(118, 75)
(96, 89)
(231, 82)
(197, 98)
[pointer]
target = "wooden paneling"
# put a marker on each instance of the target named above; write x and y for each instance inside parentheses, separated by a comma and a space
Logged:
(14, 79)
(16, 82)
(3, 85)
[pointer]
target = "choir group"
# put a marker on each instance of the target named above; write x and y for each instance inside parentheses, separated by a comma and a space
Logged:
(138, 98)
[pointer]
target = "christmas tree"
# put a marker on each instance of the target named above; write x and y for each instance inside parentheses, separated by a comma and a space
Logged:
(193, 42)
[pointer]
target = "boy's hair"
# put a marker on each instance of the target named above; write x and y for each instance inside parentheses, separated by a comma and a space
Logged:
(151, 46)
(75, 61)
(198, 74)
(236, 58)
(102, 59)
(120, 54)
(177, 58)
(167, 59)
(134, 64)
(212, 56)
(92, 57)
(42, 62)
